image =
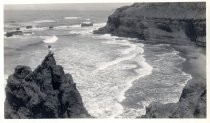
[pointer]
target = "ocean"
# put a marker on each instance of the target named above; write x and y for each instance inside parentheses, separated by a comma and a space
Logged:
(116, 76)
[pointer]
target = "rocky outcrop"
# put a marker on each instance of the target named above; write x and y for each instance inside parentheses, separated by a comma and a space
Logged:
(46, 92)
(16, 32)
(29, 27)
(172, 23)
(51, 27)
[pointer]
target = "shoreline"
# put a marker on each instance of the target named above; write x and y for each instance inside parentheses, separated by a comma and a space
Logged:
(182, 32)
(192, 55)
(192, 60)
(192, 101)
(181, 68)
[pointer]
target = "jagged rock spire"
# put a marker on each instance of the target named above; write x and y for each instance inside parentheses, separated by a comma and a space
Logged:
(46, 92)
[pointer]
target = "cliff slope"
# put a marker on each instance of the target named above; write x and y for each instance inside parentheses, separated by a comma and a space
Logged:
(46, 92)
(172, 23)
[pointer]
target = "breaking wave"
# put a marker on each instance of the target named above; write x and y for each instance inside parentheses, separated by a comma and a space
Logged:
(72, 18)
(50, 39)
(43, 21)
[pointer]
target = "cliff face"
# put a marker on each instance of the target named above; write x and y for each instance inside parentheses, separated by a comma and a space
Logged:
(159, 22)
(46, 92)
(173, 23)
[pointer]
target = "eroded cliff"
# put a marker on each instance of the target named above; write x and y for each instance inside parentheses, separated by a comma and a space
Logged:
(172, 23)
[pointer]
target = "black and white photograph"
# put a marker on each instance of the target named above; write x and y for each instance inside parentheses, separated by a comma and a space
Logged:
(124, 60)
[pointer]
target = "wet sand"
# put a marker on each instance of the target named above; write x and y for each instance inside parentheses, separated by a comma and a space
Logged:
(195, 63)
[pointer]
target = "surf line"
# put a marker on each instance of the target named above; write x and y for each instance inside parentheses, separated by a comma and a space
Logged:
(147, 70)
(132, 47)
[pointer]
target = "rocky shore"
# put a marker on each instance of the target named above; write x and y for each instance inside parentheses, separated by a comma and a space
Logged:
(46, 92)
(180, 24)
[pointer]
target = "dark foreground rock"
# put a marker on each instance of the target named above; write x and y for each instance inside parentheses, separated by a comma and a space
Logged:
(46, 92)
(174, 23)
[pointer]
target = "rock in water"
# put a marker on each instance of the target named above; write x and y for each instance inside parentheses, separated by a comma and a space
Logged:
(16, 32)
(46, 92)
(28, 27)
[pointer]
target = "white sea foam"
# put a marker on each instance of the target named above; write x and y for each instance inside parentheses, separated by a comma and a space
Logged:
(61, 27)
(68, 26)
(105, 36)
(159, 45)
(189, 77)
(112, 40)
(86, 22)
(72, 18)
(75, 26)
(34, 28)
(5, 83)
(74, 32)
(132, 47)
(142, 71)
(105, 65)
(99, 25)
(103, 86)
(163, 69)
(128, 66)
(5, 79)
(80, 32)
(50, 39)
(39, 28)
(28, 33)
(170, 53)
(43, 21)
(77, 29)
(132, 53)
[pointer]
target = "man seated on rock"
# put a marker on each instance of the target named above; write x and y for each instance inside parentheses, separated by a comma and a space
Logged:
(50, 51)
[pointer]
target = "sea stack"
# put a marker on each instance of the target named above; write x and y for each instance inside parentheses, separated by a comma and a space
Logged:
(46, 92)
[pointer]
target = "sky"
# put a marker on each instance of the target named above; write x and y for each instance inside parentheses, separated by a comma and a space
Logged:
(66, 6)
